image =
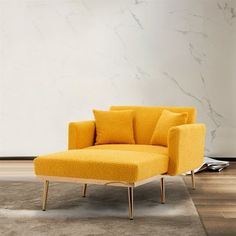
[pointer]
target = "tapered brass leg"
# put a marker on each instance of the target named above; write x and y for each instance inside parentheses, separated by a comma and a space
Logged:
(84, 190)
(163, 195)
(45, 194)
(193, 179)
(131, 202)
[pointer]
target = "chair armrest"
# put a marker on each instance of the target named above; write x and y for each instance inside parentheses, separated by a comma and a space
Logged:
(185, 148)
(81, 134)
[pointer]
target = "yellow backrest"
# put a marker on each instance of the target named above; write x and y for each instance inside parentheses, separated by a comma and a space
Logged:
(146, 118)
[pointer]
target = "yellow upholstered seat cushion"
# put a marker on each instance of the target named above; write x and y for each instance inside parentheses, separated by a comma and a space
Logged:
(114, 126)
(166, 121)
(111, 165)
(133, 147)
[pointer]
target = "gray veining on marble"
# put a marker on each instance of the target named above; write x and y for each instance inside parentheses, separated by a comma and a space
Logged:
(136, 19)
(206, 104)
(227, 10)
(61, 59)
(182, 89)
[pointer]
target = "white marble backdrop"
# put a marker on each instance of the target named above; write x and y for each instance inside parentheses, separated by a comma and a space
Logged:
(59, 59)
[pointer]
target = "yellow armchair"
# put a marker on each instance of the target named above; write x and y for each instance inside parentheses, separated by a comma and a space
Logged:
(126, 165)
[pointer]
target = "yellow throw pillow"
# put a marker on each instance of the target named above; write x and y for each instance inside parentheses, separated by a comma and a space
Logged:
(114, 126)
(166, 121)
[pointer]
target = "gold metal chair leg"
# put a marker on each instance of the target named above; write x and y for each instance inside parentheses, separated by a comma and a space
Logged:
(193, 179)
(131, 202)
(163, 195)
(45, 194)
(84, 190)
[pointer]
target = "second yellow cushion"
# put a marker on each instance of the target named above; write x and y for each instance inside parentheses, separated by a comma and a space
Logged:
(114, 126)
(166, 121)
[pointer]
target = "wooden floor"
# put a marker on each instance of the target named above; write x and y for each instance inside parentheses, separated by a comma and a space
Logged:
(15, 169)
(215, 200)
(214, 197)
